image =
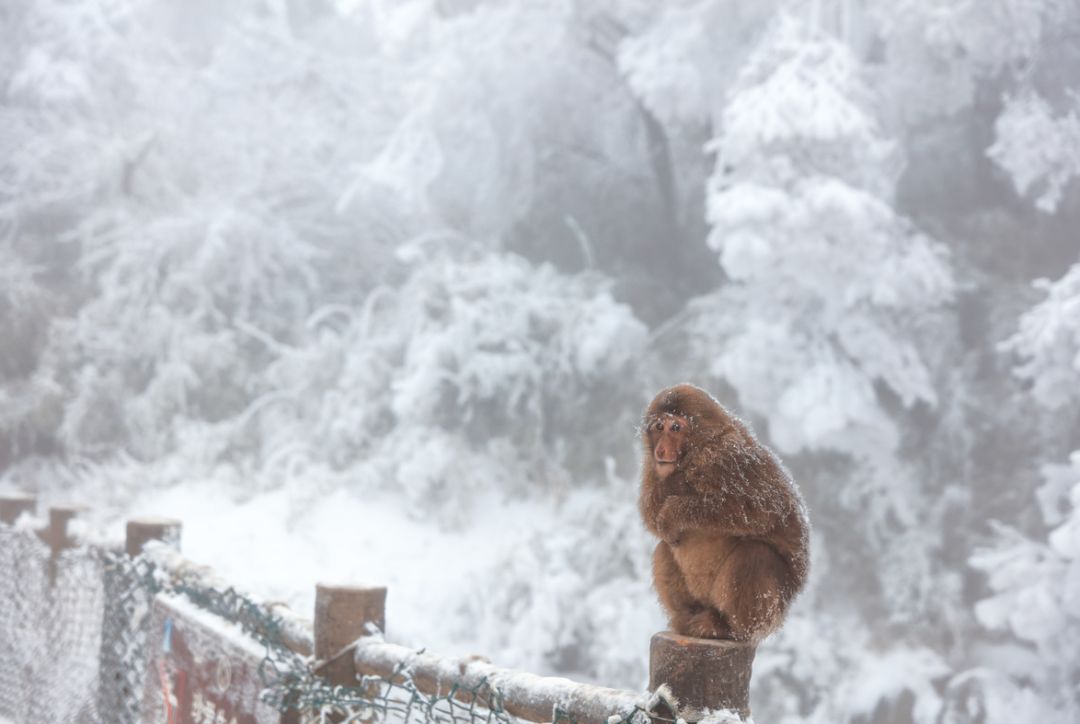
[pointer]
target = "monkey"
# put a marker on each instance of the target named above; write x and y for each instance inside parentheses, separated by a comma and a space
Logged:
(733, 529)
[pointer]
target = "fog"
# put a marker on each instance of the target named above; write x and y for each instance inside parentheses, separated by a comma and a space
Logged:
(380, 289)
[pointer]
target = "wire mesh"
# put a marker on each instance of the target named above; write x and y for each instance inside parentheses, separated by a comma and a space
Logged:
(50, 630)
(129, 586)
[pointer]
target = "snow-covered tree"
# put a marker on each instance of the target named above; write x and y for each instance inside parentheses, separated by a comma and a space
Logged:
(1035, 585)
(1041, 152)
(481, 371)
(24, 310)
(822, 331)
(821, 326)
(934, 56)
(1048, 343)
(827, 282)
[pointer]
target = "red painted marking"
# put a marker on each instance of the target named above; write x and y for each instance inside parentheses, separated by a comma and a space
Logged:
(200, 700)
(206, 678)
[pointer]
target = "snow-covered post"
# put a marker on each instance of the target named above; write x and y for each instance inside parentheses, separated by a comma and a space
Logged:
(342, 615)
(57, 534)
(140, 531)
(702, 674)
(12, 506)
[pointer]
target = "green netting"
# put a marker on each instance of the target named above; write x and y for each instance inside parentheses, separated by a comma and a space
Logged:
(129, 592)
(74, 633)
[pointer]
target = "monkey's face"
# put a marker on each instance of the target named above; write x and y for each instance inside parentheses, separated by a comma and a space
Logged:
(667, 438)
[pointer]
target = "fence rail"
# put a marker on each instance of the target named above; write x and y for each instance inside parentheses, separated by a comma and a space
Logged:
(132, 632)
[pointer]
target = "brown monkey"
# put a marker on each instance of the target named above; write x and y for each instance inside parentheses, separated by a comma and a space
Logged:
(733, 529)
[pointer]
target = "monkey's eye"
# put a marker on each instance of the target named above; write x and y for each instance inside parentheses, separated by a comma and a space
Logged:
(675, 427)
(659, 425)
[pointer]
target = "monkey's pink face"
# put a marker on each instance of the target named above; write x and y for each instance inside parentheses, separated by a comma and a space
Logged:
(667, 438)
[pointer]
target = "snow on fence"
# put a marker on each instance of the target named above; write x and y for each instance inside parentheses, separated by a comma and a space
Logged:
(93, 632)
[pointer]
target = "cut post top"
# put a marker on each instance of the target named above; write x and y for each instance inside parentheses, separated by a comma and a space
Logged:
(12, 505)
(342, 615)
(59, 516)
(702, 674)
(140, 531)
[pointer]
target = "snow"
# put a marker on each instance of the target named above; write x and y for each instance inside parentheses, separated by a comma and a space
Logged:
(1048, 341)
(1040, 152)
(894, 672)
(215, 634)
(282, 543)
(659, 67)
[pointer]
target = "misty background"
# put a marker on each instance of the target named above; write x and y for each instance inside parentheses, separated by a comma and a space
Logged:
(379, 289)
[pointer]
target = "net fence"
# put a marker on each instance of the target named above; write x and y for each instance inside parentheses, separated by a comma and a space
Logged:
(76, 640)
(50, 630)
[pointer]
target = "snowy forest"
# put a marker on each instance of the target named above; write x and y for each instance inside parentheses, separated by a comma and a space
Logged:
(377, 290)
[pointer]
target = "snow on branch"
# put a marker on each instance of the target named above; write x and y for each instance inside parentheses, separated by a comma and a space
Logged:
(1048, 342)
(1040, 151)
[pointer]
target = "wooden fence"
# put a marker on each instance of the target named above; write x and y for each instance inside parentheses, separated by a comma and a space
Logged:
(203, 669)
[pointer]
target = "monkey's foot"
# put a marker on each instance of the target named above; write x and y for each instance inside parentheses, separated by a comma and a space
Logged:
(679, 620)
(708, 624)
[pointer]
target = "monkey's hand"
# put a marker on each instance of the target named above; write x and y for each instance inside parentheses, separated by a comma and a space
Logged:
(674, 519)
(673, 484)
(681, 514)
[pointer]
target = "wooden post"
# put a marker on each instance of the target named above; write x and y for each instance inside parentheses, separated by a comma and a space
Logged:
(703, 674)
(12, 506)
(342, 615)
(140, 531)
(59, 537)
